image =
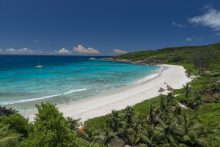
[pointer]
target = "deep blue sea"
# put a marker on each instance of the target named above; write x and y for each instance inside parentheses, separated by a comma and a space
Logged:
(62, 79)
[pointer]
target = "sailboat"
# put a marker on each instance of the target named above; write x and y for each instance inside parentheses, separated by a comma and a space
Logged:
(38, 64)
(92, 58)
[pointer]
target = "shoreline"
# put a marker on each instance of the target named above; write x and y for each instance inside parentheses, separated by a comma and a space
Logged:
(85, 109)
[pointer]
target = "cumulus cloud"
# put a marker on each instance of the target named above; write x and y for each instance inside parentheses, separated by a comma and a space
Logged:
(119, 51)
(16, 51)
(178, 25)
(64, 51)
(23, 50)
(211, 18)
(10, 50)
(84, 50)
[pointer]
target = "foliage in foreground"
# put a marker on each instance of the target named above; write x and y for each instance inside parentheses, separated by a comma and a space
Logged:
(7, 137)
(165, 125)
(50, 129)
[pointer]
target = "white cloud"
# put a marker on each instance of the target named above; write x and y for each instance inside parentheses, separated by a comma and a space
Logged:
(64, 51)
(23, 50)
(178, 25)
(119, 51)
(189, 39)
(16, 51)
(83, 50)
(10, 50)
(211, 18)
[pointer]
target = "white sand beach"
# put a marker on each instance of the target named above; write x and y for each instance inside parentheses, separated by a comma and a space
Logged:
(145, 89)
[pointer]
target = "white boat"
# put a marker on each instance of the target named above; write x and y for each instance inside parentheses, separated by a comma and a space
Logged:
(92, 58)
(38, 65)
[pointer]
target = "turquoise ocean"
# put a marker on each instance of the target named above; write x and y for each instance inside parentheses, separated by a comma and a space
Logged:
(62, 79)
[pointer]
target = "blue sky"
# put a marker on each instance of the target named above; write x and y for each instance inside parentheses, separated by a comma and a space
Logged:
(105, 27)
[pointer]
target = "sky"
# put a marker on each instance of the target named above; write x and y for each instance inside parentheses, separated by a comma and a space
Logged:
(105, 27)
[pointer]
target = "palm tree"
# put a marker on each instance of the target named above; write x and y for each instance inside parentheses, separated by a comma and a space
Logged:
(163, 105)
(189, 132)
(141, 129)
(108, 136)
(93, 135)
(187, 90)
(188, 73)
(154, 135)
(114, 121)
(74, 123)
(129, 135)
(165, 125)
(197, 101)
(152, 116)
(174, 127)
(8, 138)
(129, 115)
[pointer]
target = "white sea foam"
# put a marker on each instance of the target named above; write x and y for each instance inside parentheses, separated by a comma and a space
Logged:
(151, 76)
(40, 98)
(77, 90)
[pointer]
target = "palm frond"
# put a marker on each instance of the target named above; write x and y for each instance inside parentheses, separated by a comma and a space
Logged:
(9, 140)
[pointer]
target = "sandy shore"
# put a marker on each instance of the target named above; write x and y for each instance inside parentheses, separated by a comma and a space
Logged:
(145, 89)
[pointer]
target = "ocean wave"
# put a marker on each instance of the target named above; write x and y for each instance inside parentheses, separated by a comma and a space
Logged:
(76, 90)
(152, 76)
(40, 98)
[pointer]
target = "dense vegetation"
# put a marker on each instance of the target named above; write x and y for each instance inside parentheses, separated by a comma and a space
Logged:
(156, 122)
(201, 96)
(49, 129)
(166, 124)
(177, 55)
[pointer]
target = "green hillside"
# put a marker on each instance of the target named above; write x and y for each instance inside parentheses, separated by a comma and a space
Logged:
(175, 55)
